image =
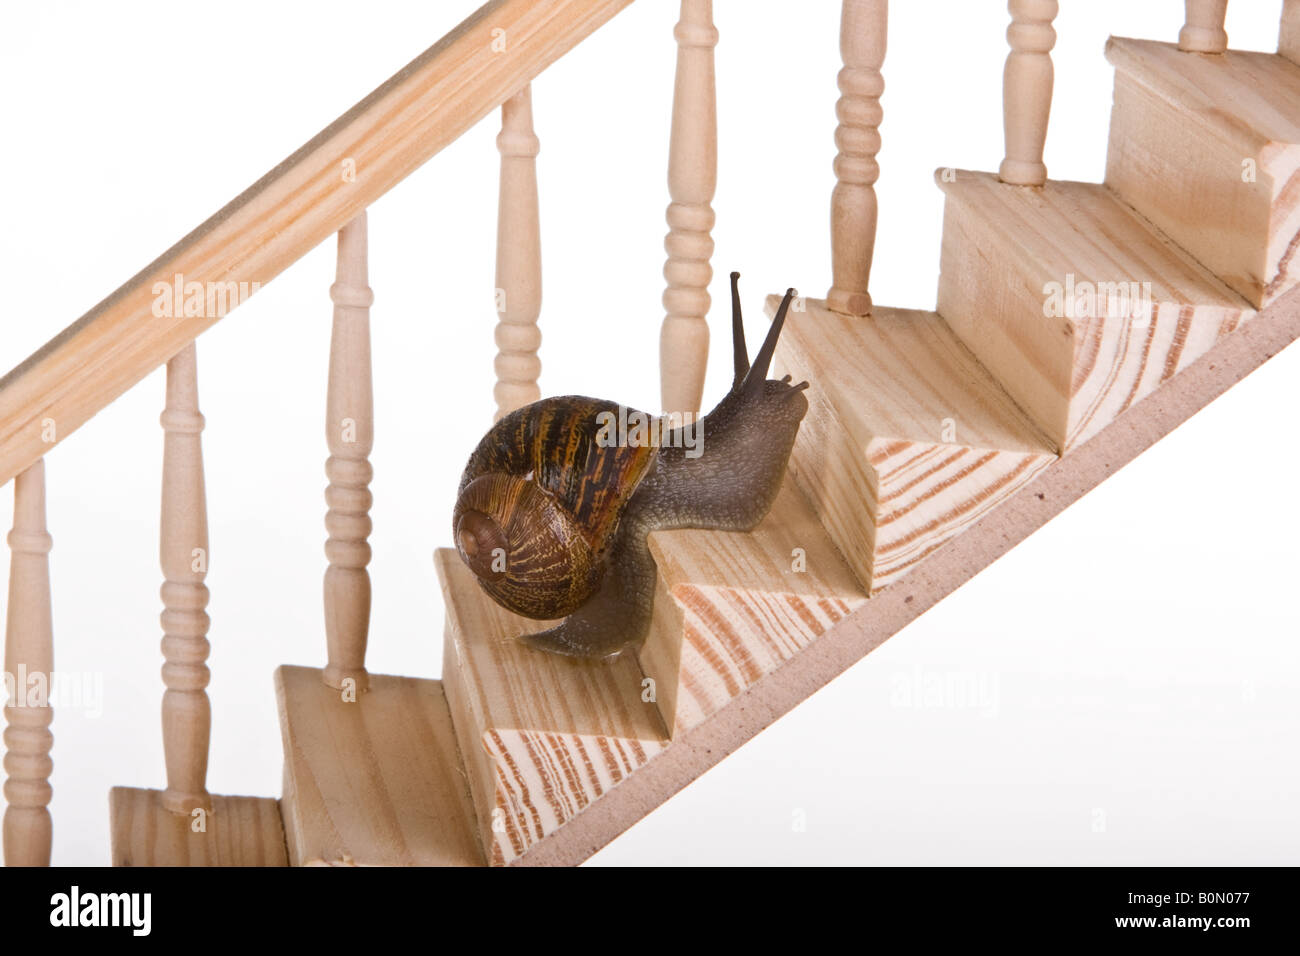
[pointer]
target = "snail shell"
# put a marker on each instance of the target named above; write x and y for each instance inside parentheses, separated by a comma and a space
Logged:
(540, 503)
(554, 520)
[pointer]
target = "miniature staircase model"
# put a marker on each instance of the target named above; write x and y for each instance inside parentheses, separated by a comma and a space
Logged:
(1075, 324)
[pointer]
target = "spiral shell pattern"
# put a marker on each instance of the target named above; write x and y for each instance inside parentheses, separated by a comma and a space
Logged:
(540, 503)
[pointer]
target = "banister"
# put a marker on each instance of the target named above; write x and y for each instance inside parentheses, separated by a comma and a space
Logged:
(288, 212)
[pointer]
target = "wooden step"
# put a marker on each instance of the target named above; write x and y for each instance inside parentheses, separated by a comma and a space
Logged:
(374, 782)
(1074, 302)
(732, 608)
(544, 736)
(1208, 148)
(907, 439)
(238, 831)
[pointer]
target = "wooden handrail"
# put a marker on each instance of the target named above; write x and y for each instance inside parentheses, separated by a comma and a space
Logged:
(288, 212)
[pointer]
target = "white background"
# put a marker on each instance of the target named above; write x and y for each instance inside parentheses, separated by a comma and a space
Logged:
(1136, 660)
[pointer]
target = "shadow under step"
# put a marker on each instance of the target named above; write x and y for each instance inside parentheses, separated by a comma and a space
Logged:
(549, 735)
(1076, 304)
(908, 439)
(375, 781)
(1208, 148)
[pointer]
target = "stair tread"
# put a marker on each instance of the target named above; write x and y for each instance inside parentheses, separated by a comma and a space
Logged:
(240, 831)
(1253, 97)
(899, 373)
(1086, 230)
(377, 781)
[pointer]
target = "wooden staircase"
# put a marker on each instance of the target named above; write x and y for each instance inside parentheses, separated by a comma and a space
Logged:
(925, 427)
(1075, 324)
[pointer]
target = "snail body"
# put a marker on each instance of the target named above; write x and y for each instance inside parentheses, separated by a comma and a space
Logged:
(553, 518)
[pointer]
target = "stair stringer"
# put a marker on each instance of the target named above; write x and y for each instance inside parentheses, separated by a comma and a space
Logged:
(694, 751)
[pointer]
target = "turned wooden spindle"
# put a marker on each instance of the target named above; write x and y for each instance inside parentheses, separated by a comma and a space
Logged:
(1027, 91)
(349, 432)
(183, 553)
(29, 662)
(519, 259)
(692, 178)
(1203, 30)
(857, 137)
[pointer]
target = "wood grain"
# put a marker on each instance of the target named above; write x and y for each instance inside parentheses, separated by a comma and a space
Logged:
(543, 735)
(292, 209)
(1002, 248)
(375, 781)
(1208, 149)
(734, 607)
(236, 831)
(907, 440)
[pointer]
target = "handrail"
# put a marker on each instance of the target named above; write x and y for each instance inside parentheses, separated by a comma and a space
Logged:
(288, 212)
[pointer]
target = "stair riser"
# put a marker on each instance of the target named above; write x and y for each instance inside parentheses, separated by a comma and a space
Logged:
(830, 467)
(1235, 211)
(988, 298)
(478, 765)
(660, 656)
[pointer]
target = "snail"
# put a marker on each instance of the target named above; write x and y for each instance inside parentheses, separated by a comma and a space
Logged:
(553, 517)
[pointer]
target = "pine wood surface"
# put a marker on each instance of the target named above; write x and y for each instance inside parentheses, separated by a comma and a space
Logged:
(908, 438)
(543, 735)
(1001, 248)
(377, 781)
(236, 831)
(1208, 148)
(733, 607)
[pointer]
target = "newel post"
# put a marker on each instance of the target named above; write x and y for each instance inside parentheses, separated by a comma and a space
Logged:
(863, 26)
(349, 433)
